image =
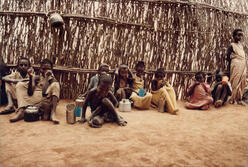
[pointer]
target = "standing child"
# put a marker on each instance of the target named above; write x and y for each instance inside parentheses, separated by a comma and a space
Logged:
(102, 103)
(162, 89)
(237, 67)
(123, 83)
(141, 99)
(220, 89)
(11, 80)
(199, 93)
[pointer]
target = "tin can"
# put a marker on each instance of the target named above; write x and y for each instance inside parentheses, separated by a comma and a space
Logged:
(70, 114)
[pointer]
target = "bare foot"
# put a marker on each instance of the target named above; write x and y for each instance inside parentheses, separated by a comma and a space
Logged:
(240, 102)
(205, 107)
(122, 122)
(54, 119)
(218, 103)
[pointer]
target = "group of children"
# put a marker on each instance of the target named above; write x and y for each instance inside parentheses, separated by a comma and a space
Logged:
(24, 88)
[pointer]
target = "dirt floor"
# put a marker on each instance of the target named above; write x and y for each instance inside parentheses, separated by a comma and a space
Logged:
(192, 138)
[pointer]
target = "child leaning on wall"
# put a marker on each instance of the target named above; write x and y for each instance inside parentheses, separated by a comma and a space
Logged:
(162, 89)
(123, 83)
(140, 97)
(221, 89)
(200, 93)
(11, 81)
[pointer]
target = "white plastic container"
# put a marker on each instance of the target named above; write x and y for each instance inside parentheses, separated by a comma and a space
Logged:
(125, 105)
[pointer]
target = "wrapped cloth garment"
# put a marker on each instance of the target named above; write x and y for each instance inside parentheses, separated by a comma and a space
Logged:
(23, 99)
(166, 92)
(200, 97)
(11, 87)
(238, 71)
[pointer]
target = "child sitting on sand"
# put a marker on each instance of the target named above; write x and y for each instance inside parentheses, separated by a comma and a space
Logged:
(141, 99)
(162, 89)
(123, 83)
(103, 68)
(102, 103)
(220, 89)
(199, 93)
(11, 80)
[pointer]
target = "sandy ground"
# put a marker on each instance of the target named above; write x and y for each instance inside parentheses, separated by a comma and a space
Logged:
(192, 138)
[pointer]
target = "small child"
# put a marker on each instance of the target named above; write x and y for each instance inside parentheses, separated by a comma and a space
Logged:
(11, 80)
(220, 90)
(199, 93)
(123, 83)
(102, 103)
(162, 89)
(104, 68)
(141, 99)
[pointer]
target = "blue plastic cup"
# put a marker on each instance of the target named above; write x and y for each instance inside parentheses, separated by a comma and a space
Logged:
(142, 92)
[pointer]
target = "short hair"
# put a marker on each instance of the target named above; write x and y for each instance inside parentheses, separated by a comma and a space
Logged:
(46, 61)
(106, 79)
(140, 64)
(103, 65)
(23, 58)
(235, 32)
(200, 73)
(161, 71)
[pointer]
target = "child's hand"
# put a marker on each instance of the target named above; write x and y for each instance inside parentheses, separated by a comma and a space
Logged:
(30, 71)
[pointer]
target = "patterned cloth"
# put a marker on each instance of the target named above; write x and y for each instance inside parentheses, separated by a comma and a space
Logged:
(238, 71)
(201, 96)
(11, 87)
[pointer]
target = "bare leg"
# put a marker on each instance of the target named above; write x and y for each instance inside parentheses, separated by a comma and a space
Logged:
(123, 94)
(107, 103)
(218, 96)
(95, 113)
(19, 115)
(10, 107)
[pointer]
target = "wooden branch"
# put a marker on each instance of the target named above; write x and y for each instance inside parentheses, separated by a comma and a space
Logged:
(81, 70)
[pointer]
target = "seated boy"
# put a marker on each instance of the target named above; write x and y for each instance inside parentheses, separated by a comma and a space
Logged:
(123, 82)
(102, 103)
(162, 89)
(103, 68)
(220, 90)
(11, 80)
(42, 91)
(200, 93)
(140, 98)
(3, 72)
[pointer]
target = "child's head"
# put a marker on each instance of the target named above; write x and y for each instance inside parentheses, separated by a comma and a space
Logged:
(105, 83)
(45, 65)
(218, 76)
(200, 76)
(103, 68)
(23, 64)
(140, 68)
(123, 71)
(237, 35)
(160, 74)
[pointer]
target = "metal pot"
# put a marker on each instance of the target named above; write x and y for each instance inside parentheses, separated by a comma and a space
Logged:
(124, 105)
(56, 20)
(31, 114)
(70, 113)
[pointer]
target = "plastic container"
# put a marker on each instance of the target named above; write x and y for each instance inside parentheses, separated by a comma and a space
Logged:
(142, 92)
(124, 105)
